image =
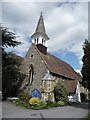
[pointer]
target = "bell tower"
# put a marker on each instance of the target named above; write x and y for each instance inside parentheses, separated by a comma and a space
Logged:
(40, 36)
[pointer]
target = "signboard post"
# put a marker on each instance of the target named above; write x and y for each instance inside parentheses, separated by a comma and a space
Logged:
(35, 93)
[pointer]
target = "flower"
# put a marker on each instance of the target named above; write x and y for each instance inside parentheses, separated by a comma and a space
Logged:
(34, 101)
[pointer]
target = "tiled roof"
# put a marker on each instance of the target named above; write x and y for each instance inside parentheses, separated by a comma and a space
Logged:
(40, 29)
(60, 67)
(19, 58)
(71, 86)
(48, 77)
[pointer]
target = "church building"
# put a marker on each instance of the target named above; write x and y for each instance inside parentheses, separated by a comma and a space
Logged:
(43, 70)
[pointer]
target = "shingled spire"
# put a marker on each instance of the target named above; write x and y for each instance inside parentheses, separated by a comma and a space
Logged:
(40, 26)
(40, 36)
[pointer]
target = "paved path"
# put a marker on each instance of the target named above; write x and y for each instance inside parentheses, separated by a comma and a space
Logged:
(76, 111)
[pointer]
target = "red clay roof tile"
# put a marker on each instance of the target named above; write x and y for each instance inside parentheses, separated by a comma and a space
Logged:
(60, 67)
(71, 86)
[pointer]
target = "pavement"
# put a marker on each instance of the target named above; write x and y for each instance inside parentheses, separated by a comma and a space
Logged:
(9, 110)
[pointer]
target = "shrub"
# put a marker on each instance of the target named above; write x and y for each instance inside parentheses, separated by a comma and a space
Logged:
(42, 103)
(83, 96)
(86, 100)
(17, 103)
(9, 99)
(34, 101)
(45, 107)
(49, 102)
(69, 103)
(23, 96)
(61, 103)
(61, 93)
(17, 100)
(53, 105)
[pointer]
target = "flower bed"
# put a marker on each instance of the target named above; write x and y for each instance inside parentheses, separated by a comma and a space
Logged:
(35, 103)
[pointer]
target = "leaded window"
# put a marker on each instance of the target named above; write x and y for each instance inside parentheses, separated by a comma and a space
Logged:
(30, 74)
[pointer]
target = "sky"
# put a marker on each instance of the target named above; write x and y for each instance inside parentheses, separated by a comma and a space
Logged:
(66, 25)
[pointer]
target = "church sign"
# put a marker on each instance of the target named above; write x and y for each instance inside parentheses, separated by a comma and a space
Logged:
(35, 93)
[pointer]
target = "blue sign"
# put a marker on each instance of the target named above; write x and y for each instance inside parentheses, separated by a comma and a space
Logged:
(35, 93)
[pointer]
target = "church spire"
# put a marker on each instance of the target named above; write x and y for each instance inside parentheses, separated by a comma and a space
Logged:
(40, 26)
(40, 36)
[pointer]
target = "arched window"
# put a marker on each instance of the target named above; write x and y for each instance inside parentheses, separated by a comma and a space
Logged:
(30, 74)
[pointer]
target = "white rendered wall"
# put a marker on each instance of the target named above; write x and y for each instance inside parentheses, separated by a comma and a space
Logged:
(40, 37)
(75, 97)
(78, 91)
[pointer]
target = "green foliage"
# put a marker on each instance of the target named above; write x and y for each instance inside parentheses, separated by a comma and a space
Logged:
(83, 96)
(49, 102)
(35, 103)
(89, 95)
(54, 104)
(12, 78)
(17, 100)
(17, 103)
(61, 103)
(69, 103)
(86, 64)
(86, 100)
(8, 38)
(42, 103)
(28, 107)
(45, 107)
(24, 96)
(23, 103)
(61, 93)
(88, 118)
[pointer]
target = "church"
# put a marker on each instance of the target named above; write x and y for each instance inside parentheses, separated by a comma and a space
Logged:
(43, 70)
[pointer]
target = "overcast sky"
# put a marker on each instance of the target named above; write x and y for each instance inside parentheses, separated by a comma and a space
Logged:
(66, 25)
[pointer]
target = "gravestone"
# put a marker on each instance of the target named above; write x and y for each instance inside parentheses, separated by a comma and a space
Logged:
(35, 93)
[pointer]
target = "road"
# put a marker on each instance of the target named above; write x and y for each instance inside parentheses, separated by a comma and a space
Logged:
(76, 111)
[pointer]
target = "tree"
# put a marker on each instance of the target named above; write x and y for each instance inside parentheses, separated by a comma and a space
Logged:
(86, 64)
(60, 92)
(8, 38)
(11, 76)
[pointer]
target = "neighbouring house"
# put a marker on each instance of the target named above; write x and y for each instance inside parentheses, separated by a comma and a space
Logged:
(74, 90)
(43, 70)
